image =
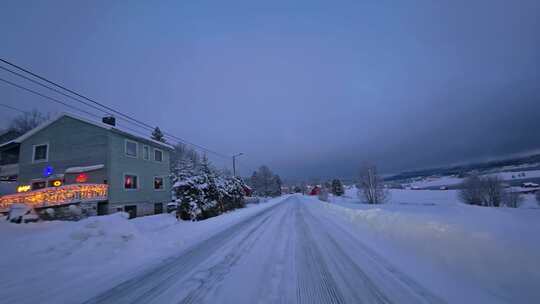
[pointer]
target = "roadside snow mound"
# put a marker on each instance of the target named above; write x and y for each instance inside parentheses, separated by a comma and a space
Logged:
(114, 229)
(497, 249)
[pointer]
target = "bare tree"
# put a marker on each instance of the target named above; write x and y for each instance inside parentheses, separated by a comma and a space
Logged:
(512, 199)
(27, 121)
(470, 192)
(265, 183)
(370, 185)
(485, 191)
(538, 197)
(492, 191)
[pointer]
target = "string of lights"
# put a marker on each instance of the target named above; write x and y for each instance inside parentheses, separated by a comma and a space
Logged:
(56, 196)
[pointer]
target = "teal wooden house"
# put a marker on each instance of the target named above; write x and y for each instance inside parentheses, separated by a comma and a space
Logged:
(95, 165)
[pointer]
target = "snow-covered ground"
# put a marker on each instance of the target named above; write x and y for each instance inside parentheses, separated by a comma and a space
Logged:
(64, 262)
(444, 243)
(454, 180)
(421, 247)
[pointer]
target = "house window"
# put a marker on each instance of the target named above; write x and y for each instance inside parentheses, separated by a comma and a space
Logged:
(158, 183)
(41, 153)
(131, 148)
(158, 155)
(39, 185)
(146, 152)
(131, 181)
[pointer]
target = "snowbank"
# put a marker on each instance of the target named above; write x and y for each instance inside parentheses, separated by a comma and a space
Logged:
(64, 262)
(494, 250)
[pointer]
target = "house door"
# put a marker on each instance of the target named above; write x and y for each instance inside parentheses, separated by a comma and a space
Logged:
(103, 208)
(158, 208)
(131, 210)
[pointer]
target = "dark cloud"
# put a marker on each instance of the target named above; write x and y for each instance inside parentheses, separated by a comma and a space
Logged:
(311, 88)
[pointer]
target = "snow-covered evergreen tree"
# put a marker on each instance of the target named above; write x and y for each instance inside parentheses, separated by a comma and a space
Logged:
(202, 192)
(337, 187)
(276, 186)
(158, 135)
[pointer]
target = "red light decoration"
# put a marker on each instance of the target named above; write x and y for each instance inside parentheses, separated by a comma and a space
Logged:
(81, 178)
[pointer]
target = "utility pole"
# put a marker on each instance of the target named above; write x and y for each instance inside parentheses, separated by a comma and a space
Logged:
(234, 162)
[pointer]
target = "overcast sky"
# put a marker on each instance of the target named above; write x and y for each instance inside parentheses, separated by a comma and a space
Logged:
(311, 88)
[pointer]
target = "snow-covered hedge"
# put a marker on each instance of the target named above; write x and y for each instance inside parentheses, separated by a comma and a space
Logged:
(203, 192)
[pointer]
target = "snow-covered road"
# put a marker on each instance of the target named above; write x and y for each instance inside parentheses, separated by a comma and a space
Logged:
(289, 253)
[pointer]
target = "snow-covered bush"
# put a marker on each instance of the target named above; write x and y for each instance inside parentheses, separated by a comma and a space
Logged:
(201, 192)
(21, 213)
(75, 210)
(323, 194)
(50, 212)
(232, 193)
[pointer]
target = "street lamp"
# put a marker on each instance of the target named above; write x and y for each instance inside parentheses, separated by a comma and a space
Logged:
(234, 162)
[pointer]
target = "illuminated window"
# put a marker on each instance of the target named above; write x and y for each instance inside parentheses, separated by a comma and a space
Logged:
(131, 181)
(24, 188)
(158, 155)
(41, 153)
(146, 152)
(158, 183)
(131, 148)
(81, 178)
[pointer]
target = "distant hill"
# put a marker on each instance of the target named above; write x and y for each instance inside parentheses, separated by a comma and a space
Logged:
(502, 164)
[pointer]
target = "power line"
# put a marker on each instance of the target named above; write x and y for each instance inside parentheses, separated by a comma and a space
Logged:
(62, 93)
(52, 89)
(57, 101)
(106, 107)
(12, 108)
(24, 112)
(48, 97)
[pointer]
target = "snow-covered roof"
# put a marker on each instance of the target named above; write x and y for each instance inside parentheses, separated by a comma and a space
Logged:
(84, 169)
(102, 125)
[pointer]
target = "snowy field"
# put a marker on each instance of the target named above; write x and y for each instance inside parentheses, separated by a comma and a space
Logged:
(453, 180)
(444, 243)
(421, 247)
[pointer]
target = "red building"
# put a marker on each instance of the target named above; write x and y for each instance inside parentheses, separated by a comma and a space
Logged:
(315, 191)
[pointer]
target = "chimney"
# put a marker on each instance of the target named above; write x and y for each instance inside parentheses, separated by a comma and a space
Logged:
(110, 120)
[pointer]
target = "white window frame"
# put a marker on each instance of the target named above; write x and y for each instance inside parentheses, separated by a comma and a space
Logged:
(162, 155)
(34, 161)
(124, 182)
(147, 147)
(136, 148)
(154, 183)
